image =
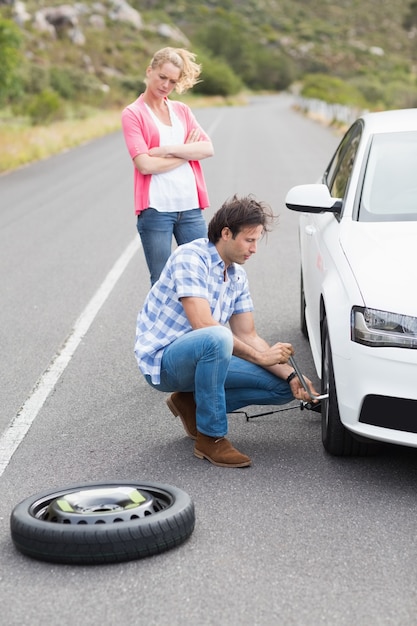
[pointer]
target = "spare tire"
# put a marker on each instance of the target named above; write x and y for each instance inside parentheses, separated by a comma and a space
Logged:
(103, 522)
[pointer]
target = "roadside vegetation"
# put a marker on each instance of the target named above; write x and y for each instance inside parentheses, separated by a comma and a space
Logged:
(22, 142)
(55, 94)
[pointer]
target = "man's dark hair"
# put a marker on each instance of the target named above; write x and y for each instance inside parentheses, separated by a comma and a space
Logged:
(238, 213)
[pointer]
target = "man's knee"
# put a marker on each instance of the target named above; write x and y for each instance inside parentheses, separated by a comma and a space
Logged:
(219, 338)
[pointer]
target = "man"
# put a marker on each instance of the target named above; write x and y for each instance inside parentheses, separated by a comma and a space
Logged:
(184, 345)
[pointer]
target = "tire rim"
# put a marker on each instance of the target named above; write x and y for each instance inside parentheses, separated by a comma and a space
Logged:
(100, 505)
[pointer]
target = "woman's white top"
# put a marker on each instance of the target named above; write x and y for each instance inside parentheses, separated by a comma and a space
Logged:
(175, 190)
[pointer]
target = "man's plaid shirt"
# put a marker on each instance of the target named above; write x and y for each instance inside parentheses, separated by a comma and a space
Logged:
(194, 269)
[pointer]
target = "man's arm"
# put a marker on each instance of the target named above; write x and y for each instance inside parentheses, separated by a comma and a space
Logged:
(246, 342)
(250, 346)
(198, 312)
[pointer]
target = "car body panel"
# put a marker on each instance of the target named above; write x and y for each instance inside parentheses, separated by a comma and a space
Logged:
(349, 262)
(373, 250)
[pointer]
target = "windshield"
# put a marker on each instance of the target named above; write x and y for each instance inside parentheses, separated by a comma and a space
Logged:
(389, 191)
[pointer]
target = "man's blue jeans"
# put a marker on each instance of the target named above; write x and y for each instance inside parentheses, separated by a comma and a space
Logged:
(156, 229)
(201, 361)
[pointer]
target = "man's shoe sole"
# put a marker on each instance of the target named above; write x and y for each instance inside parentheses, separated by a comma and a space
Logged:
(200, 455)
(175, 412)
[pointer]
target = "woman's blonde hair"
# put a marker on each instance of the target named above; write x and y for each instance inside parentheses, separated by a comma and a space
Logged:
(184, 61)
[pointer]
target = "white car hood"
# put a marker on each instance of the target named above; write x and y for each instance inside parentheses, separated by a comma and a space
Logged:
(383, 259)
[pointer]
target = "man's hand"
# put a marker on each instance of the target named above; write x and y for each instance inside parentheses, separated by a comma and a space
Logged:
(299, 392)
(277, 354)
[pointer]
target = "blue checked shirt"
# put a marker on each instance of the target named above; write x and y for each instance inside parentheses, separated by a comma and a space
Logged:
(194, 269)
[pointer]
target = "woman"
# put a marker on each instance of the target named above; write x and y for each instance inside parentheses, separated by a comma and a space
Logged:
(167, 144)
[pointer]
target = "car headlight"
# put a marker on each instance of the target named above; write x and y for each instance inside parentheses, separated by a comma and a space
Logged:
(379, 329)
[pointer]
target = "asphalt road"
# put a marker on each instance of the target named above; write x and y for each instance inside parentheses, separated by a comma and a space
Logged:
(298, 538)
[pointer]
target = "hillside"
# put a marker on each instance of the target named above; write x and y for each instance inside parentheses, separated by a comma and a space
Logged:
(96, 52)
(338, 37)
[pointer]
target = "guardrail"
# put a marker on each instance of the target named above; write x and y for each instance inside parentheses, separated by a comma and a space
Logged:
(328, 113)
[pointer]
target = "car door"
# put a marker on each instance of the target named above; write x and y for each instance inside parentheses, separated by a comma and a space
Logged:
(319, 236)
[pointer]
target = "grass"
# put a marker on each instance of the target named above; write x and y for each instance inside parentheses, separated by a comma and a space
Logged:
(22, 144)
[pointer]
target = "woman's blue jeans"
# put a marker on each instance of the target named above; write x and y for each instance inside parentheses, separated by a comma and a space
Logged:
(156, 230)
(201, 361)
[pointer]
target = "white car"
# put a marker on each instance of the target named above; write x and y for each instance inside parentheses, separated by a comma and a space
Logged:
(358, 246)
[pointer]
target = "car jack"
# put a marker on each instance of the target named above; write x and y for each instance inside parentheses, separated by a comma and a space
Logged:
(311, 405)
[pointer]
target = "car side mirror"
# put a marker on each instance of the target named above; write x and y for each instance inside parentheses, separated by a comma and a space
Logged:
(313, 198)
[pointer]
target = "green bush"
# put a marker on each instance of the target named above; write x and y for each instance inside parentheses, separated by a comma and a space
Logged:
(35, 79)
(258, 66)
(10, 58)
(45, 107)
(217, 78)
(227, 39)
(400, 94)
(371, 88)
(74, 83)
(62, 82)
(272, 70)
(332, 90)
(132, 85)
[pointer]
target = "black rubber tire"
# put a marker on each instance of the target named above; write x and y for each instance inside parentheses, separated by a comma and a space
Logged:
(168, 521)
(303, 323)
(337, 440)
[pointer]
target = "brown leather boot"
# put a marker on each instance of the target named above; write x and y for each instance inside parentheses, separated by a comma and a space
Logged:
(219, 451)
(182, 405)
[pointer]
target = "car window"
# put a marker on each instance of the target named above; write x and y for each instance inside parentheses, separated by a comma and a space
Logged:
(389, 190)
(339, 171)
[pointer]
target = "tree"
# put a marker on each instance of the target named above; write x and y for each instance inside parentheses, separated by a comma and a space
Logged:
(10, 58)
(410, 19)
(410, 25)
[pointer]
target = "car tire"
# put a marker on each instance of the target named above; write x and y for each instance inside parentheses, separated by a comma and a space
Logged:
(337, 440)
(303, 323)
(103, 522)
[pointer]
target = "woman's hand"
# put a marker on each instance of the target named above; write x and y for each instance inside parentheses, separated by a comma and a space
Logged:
(175, 151)
(160, 151)
(193, 136)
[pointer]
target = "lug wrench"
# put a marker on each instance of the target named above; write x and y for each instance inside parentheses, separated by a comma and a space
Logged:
(314, 398)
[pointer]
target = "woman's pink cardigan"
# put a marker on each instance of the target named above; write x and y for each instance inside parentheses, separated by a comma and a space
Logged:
(141, 134)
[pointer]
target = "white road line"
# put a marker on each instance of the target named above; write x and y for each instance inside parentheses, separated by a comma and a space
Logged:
(214, 124)
(20, 424)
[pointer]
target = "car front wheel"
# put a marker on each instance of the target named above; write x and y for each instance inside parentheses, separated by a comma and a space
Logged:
(336, 439)
(303, 323)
